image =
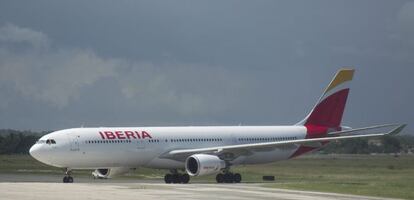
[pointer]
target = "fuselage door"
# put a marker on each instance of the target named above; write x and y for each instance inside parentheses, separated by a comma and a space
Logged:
(140, 144)
(74, 145)
(233, 139)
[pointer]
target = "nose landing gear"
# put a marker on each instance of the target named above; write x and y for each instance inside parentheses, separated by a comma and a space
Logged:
(68, 178)
(226, 176)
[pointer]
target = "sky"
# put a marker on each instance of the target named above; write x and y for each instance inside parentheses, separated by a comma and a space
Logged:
(67, 64)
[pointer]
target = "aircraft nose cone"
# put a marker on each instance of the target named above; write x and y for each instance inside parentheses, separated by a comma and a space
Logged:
(34, 151)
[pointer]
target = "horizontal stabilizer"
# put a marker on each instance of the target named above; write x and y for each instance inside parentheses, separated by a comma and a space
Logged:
(365, 130)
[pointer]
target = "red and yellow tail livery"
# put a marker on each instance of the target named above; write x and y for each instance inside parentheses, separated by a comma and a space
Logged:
(327, 113)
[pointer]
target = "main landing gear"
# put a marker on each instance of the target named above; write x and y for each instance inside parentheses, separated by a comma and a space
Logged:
(176, 177)
(68, 178)
(228, 177)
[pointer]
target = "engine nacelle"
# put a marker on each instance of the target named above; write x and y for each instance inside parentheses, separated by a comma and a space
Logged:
(203, 164)
(110, 172)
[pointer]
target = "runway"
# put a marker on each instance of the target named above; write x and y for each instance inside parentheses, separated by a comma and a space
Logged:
(126, 189)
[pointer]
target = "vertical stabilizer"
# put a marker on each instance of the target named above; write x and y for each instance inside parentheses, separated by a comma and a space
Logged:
(330, 107)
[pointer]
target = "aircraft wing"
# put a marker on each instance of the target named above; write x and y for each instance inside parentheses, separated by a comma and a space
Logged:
(243, 149)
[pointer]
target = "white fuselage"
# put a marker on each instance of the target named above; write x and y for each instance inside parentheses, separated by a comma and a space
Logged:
(92, 148)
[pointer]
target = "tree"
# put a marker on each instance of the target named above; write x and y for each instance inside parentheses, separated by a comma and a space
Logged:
(391, 144)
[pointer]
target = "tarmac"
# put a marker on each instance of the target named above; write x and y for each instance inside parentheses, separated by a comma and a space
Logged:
(40, 187)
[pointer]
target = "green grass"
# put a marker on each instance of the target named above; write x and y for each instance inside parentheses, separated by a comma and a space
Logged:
(23, 163)
(372, 175)
(383, 176)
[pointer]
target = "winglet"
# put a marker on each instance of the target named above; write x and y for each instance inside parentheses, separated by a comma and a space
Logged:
(397, 130)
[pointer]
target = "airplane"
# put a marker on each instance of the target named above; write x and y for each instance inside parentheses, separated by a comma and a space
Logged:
(203, 150)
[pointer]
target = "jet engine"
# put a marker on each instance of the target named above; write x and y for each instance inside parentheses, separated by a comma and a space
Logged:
(110, 172)
(203, 164)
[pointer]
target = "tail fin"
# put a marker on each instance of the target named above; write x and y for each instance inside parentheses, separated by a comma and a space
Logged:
(330, 107)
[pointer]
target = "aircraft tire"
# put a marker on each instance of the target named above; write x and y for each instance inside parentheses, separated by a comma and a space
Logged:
(68, 179)
(185, 178)
(168, 178)
(220, 178)
(176, 178)
(228, 178)
(237, 178)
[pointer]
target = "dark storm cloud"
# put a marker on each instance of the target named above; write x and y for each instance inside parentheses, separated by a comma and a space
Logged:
(101, 63)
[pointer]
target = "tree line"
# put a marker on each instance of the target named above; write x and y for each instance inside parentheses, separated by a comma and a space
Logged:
(385, 144)
(19, 142)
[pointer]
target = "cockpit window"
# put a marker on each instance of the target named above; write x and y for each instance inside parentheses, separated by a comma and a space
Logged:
(50, 141)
